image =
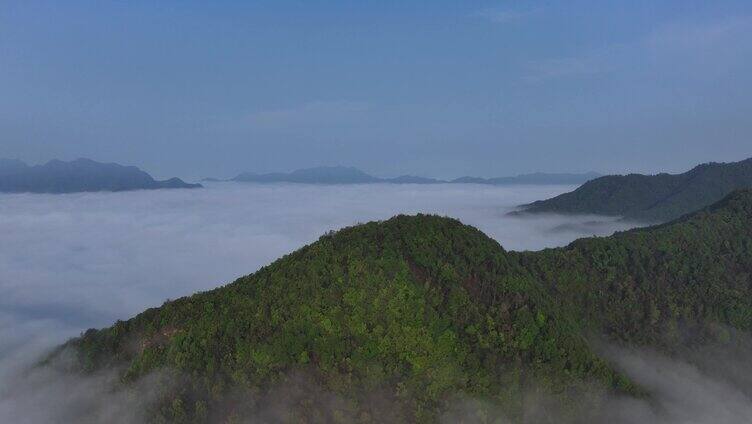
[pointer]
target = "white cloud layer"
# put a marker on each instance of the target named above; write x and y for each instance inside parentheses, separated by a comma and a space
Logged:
(70, 262)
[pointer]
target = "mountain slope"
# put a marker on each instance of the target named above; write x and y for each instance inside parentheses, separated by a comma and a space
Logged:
(416, 307)
(663, 286)
(78, 176)
(424, 309)
(652, 198)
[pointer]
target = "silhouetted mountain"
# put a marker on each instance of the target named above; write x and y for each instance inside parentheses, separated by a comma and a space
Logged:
(652, 198)
(412, 179)
(350, 175)
(396, 319)
(469, 180)
(318, 175)
(534, 178)
(11, 166)
(78, 176)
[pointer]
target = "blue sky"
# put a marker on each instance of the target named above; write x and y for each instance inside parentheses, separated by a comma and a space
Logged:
(441, 88)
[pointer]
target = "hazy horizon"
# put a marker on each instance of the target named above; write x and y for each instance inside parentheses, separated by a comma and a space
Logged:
(159, 175)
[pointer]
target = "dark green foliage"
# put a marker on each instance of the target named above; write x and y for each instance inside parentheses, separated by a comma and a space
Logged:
(421, 310)
(652, 198)
(667, 285)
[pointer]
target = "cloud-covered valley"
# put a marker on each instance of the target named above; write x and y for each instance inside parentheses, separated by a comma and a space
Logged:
(82, 260)
(71, 262)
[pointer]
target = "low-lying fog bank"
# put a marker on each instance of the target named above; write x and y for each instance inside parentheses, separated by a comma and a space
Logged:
(71, 262)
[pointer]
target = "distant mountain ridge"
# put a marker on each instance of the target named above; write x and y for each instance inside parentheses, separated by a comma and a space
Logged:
(11, 166)
(80, 175)
(652, 198)
(351, 175)
(534, 178)
(318, 175)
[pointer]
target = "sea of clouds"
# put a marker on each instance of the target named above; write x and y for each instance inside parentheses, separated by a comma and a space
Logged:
(75, 261)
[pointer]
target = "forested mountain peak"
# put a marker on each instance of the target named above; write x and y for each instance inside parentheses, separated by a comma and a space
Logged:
(423, 309)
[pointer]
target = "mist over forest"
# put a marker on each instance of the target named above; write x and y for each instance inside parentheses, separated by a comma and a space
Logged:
(77, 261)
(115, 254)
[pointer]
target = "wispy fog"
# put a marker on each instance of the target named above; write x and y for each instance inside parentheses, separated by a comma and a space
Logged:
(712, 388)
(71, 262)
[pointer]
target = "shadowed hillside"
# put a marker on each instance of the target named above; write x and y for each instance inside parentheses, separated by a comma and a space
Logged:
(651, 198)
